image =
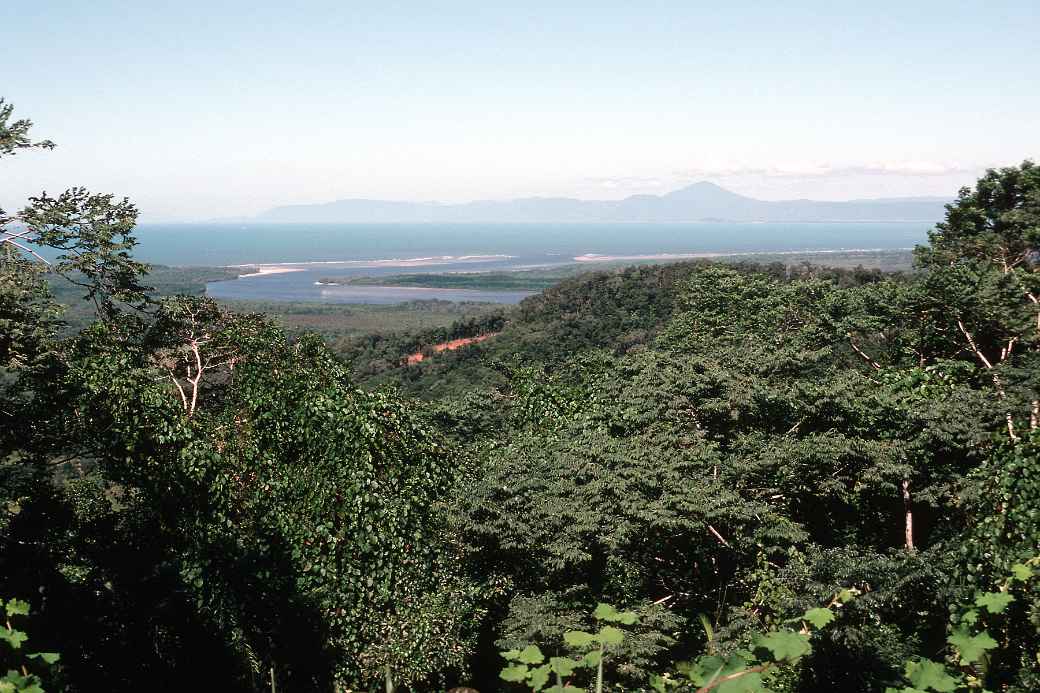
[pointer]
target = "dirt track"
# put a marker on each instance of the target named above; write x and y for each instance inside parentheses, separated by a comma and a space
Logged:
(450, 346)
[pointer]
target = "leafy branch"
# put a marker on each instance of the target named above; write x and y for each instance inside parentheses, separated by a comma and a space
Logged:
(530, 667)
(744, 671)
(21, 679)
(741, 672)
(970, 644)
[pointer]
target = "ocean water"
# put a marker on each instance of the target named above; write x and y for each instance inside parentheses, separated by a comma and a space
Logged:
(321, 251)
(239, 244)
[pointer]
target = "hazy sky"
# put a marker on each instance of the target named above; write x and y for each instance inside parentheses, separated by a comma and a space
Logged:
(209, 109)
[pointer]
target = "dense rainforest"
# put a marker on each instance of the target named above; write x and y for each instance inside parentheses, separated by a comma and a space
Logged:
(682, 477)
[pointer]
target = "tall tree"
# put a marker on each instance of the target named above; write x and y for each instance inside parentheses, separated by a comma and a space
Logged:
(189, 489)
(983, 265)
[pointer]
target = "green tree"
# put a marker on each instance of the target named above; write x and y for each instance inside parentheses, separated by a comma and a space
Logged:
(191, 489)
(982, 277)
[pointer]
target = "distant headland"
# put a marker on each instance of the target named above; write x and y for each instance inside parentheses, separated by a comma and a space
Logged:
(699, 202)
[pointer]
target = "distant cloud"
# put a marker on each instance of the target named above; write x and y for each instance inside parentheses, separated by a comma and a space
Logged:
(905, 168)
(627, 183)
(893, 168)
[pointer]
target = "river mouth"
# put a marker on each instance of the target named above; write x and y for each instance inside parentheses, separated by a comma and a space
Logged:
(308, 283)
(309, 264)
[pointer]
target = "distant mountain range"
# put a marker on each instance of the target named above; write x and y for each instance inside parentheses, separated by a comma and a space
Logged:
(698, 202)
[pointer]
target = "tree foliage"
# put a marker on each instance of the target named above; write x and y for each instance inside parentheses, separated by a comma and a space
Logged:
(279, 523)
(730, 452)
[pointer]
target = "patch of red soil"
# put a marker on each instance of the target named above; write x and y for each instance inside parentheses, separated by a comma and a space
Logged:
(451, 346)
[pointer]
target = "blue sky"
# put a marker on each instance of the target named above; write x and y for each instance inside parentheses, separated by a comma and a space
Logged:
(209, 109)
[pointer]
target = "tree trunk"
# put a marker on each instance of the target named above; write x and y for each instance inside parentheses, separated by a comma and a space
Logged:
(908, 509)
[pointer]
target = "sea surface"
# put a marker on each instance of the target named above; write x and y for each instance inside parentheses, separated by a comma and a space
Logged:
(331, 251)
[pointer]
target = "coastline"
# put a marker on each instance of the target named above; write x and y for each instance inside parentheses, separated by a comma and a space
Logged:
(263, 270)
(594, 257)
(279, 267)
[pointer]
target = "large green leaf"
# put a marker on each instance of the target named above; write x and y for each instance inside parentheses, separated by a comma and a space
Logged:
(539, 677)
(746, 683)
(846, 595)
(606, 612)
(609, 635)
(819, 617)
(516, 673)
(928, 675)
(709, 668)
(994, 602)
(706, 625)
(579, 638)
(785, 645)
(14, 638)
(531, 655)
(48, 657)
(16, 607)
(971, 647)
(564, 666)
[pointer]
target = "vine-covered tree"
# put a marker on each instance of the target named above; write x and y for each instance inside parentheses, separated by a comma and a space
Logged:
(188, 489)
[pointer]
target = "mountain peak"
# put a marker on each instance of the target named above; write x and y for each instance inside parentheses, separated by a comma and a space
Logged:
(703, 191)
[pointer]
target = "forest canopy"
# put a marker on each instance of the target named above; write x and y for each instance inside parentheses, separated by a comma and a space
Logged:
(687, 477)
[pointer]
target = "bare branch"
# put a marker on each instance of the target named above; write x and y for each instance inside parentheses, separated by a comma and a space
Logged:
(975, 348)
(1006, 351)
(866, 357)
(908, 509)
(10, 240)
(1036, 302)
(996, 378)
(184, 398)
(719, 537)
(198, 376)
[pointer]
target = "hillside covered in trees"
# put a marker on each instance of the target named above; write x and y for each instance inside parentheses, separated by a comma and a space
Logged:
(683, 477)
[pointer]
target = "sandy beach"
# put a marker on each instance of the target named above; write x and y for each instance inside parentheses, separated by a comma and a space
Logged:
(261, 270)
(591, 257)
